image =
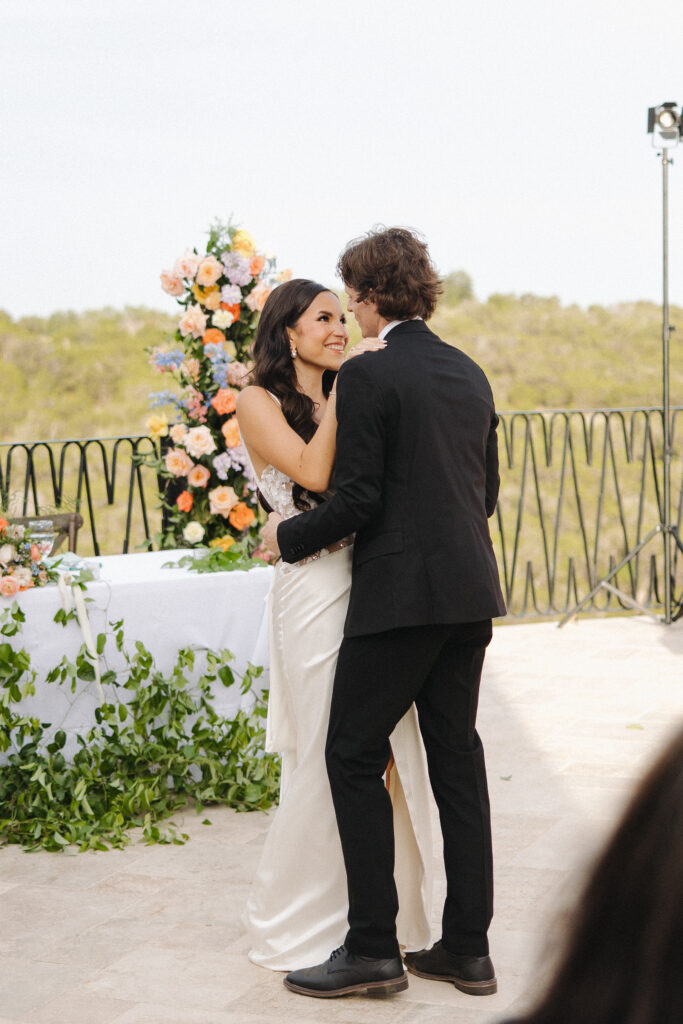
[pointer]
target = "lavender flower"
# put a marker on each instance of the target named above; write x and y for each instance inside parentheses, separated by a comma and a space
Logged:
(231, 294)
(236, 268)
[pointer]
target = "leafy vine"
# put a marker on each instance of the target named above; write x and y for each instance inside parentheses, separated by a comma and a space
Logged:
(158, 743)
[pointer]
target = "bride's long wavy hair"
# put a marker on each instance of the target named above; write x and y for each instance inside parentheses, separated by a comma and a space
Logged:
(273, 364)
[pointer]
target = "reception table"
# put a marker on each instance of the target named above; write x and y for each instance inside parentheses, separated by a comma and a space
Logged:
(165, 608)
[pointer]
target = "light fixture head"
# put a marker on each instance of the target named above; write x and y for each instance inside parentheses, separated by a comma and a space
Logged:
(664, 124)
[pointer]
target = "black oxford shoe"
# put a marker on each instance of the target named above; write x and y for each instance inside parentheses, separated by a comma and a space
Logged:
(345, 973)
(472, 974)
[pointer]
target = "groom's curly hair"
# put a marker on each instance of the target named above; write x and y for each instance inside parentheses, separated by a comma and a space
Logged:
(392, 267)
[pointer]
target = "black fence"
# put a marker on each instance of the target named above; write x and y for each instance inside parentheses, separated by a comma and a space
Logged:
(579, 490)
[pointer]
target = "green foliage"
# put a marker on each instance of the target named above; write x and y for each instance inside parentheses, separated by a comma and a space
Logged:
(158, 742)
(238, 556)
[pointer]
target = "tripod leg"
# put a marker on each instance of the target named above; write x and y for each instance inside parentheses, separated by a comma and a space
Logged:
(601, 583)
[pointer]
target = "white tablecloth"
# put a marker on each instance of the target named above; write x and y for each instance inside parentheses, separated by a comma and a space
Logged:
(165, 608)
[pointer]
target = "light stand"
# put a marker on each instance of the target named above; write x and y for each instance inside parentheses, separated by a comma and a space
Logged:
(664, 122)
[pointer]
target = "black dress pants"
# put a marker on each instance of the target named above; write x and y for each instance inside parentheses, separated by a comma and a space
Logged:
(378, 677)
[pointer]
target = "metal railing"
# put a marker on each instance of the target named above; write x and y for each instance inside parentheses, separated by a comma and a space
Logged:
(97, 477)
(579, 489)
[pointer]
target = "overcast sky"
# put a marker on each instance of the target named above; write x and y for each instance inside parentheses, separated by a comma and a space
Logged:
(513, 135)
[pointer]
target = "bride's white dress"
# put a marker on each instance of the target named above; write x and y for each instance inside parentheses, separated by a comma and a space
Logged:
(296, 912)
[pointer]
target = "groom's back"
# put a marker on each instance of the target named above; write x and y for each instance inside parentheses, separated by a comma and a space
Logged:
(427, 557)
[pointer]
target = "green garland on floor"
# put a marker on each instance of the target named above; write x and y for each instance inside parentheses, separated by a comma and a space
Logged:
(158, 742)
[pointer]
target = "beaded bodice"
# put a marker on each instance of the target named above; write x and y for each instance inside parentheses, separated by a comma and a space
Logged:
(277, 488)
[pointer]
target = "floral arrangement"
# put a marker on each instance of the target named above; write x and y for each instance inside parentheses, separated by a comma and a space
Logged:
(209, 493)
(21, 561)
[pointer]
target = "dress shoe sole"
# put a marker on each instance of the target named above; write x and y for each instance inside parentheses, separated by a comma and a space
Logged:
(472, 988)
(370, 988)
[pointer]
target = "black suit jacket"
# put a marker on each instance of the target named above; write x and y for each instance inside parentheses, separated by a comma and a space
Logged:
(417, 479)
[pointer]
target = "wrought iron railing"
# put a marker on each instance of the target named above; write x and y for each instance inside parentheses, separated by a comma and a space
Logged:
(579, 490)
(98, 477)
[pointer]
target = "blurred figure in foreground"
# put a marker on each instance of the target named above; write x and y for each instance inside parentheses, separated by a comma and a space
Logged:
(623, 962)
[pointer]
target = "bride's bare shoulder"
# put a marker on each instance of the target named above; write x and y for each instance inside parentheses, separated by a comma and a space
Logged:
(254, 397)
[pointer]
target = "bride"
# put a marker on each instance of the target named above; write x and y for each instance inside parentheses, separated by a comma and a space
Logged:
(297, 908)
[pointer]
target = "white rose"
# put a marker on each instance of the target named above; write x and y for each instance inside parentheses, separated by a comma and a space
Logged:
(193, 532)
(23, 576)
(222, 319)
(7, 553)
(15, 531)
(199, 441)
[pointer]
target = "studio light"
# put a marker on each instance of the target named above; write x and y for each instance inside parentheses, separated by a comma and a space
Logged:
(664, 124)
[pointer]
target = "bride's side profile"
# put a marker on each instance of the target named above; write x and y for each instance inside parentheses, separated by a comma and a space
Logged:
(296, 911)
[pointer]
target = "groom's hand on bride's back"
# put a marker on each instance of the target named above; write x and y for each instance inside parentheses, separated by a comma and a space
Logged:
(365, 345)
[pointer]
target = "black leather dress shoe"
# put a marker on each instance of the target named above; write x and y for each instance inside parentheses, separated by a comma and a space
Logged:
(472, 974)
(345, 973)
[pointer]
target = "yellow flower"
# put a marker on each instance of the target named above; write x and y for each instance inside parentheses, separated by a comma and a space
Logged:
(222, 542)
(202, 294)
(157, 426)
(243, 243)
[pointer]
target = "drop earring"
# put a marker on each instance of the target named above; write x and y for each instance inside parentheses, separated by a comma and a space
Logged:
(293, 351)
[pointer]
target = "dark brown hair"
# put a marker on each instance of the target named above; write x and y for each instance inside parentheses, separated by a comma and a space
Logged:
(623, 961)
(392, 267)
(273, 364)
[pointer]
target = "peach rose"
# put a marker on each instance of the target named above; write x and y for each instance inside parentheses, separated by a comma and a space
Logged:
(36, 553)
(256, 264)
(241, 516)
(256, 299)
(184, 501)
(192, 322)
(209, 270)
(284, 275)
(191, 368)
(178, 462)
(209, 297)
(198, 476)
(212, 336)
(177, 432)
(199, 441)
(213, 300)
(221, 500)
(231, 432)
(8, 586)
(187, 265)
(243, 243)
(172, 283)
(224, 401)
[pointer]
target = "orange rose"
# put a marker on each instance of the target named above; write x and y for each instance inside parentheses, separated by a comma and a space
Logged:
(198, 476)
(234, 309)
(256, 264)
(212, 336)
(184, 501)
(3, 523)
(241, 516)
(224, 401)
(231, 432)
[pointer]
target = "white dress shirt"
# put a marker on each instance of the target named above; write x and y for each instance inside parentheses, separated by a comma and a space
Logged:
(394, 323)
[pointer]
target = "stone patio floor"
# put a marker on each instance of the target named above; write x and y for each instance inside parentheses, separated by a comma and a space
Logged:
(569, 718)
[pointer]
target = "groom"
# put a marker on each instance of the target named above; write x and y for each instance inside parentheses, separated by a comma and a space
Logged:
(416, 478)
